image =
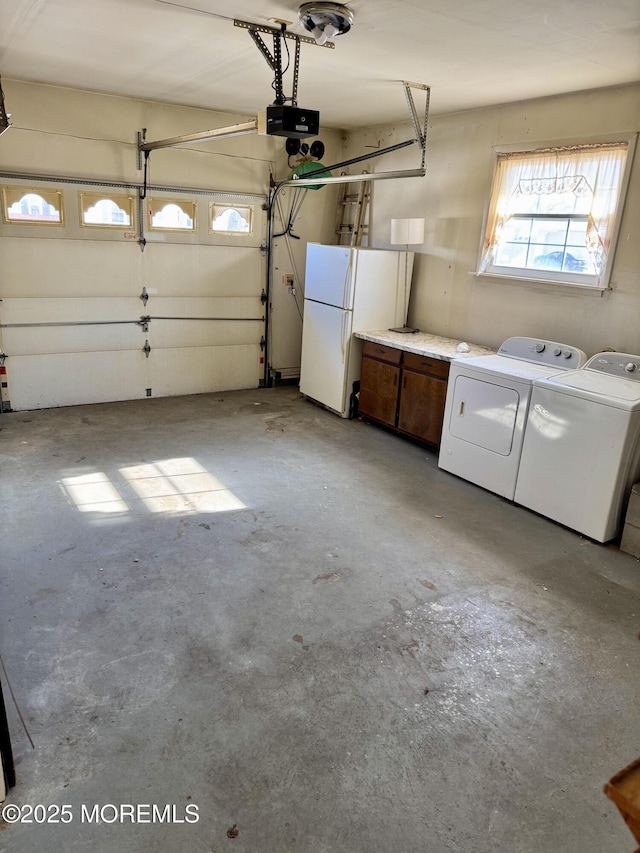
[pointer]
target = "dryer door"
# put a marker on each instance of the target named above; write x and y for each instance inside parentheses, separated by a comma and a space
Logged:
(484, 414)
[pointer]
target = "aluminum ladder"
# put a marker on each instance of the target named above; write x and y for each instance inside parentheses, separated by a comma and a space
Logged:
(351, 218)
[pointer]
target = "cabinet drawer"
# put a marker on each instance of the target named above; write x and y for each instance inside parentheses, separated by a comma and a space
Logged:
(424, 364)
(381, 352)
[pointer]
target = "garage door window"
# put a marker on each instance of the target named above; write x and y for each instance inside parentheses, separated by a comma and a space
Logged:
(22, 204)
(554, 214)
(106, 210)
(228, 219)
(171, 214)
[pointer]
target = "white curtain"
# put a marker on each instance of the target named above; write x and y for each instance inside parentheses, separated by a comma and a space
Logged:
(583, 180)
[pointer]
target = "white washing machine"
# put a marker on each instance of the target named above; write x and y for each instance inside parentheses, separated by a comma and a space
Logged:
(486, 409)
(581, 451)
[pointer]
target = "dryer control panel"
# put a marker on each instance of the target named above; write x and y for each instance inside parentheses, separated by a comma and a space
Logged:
(543, 352)
(621, 364)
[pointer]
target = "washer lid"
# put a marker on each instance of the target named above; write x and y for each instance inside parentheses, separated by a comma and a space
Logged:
(600, 387)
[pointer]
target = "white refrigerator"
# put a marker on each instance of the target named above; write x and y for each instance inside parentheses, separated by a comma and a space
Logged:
(347, 290)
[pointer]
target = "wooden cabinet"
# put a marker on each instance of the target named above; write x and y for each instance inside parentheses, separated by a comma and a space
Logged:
(422, 397)
(404, 391)
(379, 383)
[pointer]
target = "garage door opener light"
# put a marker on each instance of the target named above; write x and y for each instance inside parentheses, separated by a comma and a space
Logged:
(325, 20)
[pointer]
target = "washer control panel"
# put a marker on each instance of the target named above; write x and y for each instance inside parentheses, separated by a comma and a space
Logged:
(621, 364)
(538, 351)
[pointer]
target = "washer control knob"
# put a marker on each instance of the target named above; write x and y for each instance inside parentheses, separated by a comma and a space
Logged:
(557, 351)
(540, 347)
(567, 353)
(631, 367)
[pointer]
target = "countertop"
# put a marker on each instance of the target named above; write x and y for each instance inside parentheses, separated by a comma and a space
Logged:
(423, 343)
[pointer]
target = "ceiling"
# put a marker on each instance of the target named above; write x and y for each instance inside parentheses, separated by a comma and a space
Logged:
(473, 53)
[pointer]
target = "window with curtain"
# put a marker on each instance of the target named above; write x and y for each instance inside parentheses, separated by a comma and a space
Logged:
(554, 214)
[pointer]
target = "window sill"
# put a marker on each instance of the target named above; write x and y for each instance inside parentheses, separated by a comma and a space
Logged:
(544, 283)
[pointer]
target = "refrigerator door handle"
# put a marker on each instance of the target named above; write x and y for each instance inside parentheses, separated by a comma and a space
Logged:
(346, 289)
(343, 329)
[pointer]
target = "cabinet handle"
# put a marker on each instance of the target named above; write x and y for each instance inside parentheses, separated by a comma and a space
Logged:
(461, 412)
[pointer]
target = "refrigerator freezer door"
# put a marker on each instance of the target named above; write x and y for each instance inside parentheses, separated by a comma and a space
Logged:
(378, 294)
(326, 342)
(328, 273)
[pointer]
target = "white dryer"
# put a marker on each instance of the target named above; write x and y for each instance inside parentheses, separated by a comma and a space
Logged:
(486, 409)
(581, 452)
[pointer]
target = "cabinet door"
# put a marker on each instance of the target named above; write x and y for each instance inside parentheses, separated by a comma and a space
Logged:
(422, 406)
(379, 383)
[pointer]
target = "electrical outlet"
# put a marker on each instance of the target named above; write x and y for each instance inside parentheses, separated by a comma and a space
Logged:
(288, 280)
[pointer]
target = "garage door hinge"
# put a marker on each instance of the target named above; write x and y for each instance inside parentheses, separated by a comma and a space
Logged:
(3, 355)
(143, 322)
(263, 296)
(263, 248)
(263, 343)
(146, 348)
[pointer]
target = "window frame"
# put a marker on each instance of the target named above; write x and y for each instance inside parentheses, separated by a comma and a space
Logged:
(179, 202)
(224, 233)
(42, 192)
(576, 280)
(116, 198)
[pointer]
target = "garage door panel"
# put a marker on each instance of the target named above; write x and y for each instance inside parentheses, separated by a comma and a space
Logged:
(228, 306)
(209, 270)
(60, 339)
(61, 268)
(200, 370)
(172, 334)
(85, 310)
(70, 310)
(69, 379)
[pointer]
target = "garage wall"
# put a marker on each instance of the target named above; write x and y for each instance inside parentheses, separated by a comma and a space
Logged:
(45, 278)
(446, 298)
(314, 223)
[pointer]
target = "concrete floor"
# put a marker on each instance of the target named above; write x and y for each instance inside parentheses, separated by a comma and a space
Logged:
(370, 655)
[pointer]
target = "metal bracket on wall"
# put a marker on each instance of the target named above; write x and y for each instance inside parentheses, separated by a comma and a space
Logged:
(143, 322)
(419, 136)
(274, 61)
(420, 132)
(140, 137)
(204, 136)
(259, 28)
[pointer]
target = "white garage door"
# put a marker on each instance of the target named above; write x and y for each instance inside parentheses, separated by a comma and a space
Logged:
(75, 329)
